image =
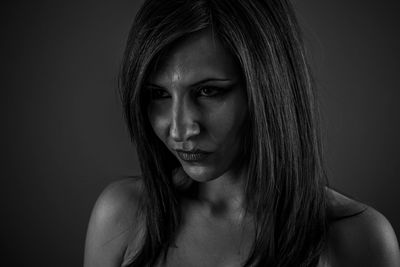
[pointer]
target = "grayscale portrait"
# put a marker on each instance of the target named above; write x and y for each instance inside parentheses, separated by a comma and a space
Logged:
(215, 133)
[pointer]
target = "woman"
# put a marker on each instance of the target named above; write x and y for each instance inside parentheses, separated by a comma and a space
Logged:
(219, 101)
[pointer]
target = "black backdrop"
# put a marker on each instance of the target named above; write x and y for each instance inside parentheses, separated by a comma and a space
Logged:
(63, 137)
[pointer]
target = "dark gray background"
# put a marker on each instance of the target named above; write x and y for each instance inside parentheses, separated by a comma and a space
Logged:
(63, 137)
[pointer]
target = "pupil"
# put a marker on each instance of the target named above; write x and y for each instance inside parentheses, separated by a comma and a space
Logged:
(207, 91)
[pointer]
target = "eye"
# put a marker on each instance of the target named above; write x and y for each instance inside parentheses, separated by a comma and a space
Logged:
(157, 93)
(210, 91)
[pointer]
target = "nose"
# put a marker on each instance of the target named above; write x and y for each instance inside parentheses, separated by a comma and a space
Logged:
(184, 121)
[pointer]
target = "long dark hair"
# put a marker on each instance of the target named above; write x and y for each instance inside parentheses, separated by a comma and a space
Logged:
(285, 188)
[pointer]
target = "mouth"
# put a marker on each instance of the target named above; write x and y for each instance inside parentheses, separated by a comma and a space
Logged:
(193, 155)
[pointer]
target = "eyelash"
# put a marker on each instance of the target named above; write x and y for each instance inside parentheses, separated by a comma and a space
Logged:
(159, 94)
(154, 96)
(216, 91)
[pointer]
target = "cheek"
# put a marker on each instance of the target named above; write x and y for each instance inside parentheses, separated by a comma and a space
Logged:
(158, 120)
(225, 122)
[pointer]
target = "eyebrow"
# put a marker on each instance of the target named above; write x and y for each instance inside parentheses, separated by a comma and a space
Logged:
(211, 80)
(196, 83)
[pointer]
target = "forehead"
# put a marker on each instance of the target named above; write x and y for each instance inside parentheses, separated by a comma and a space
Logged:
(199, 56)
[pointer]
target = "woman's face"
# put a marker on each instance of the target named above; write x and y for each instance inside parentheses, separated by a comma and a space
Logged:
(198, 106)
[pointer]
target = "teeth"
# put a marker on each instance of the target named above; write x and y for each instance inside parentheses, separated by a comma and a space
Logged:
(191, 156)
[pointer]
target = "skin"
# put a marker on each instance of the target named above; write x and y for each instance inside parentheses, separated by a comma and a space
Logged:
(199, 102)
(215, 231)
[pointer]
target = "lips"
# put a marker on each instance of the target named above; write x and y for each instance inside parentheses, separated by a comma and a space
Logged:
(192, 156)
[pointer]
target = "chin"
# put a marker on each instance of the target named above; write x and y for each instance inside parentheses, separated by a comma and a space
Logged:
(200, 173)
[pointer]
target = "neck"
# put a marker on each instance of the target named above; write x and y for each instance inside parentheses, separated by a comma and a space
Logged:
(225, 196)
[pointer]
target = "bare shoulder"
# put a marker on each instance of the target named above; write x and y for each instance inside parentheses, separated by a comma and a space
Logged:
(359, 235)
(114, 223)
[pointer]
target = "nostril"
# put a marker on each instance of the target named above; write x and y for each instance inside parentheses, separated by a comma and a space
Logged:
(184, 131)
